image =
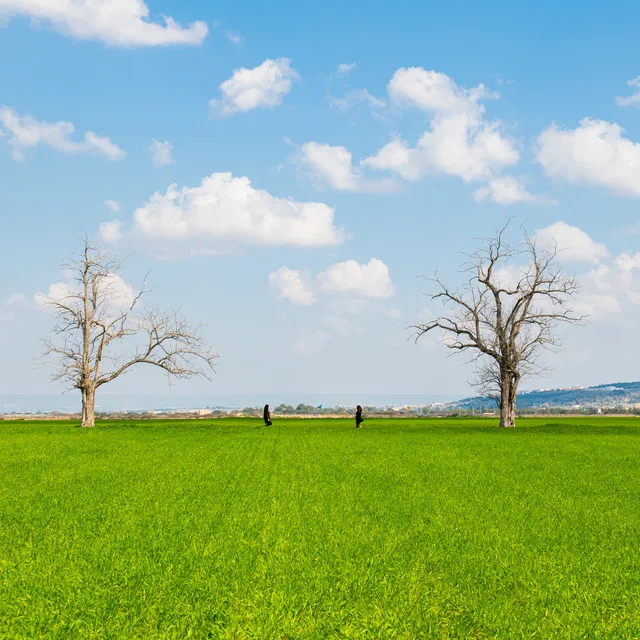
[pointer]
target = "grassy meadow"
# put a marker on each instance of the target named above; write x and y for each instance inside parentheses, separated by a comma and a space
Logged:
(426, 528)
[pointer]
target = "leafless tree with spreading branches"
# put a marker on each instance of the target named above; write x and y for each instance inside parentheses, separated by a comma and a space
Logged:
(98, 322)
(506, 320)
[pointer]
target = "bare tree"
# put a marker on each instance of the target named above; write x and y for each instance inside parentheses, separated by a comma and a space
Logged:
(99, 334)
(505, 314)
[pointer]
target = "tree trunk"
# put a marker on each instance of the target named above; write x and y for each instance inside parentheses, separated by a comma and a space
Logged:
(88, 406)
(507, 403)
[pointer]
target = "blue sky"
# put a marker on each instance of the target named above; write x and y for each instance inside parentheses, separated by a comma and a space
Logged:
(551, 138)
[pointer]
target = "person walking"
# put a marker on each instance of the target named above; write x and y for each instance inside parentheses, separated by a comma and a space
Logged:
(267, 416)
(359, 419)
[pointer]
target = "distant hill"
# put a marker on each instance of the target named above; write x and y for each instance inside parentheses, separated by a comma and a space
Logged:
(615, 394)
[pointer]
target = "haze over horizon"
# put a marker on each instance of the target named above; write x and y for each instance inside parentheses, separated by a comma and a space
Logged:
(70, 402)
(288, 172)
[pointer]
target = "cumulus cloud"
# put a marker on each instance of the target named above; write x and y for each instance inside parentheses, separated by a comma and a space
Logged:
(114, 206)
(611, 288)
(263, 86)
(573, 243)
(595, 152)
(116, 293)
(627, 262)
(111, 232)
(370, 280)
(600, 294)
(507, 190)
(123, 23)
(290, 286)
(633, 99)
(359, 281)
(25, 132)
(226, 208)
(629, 269)
(608, 286)
(398, 157)
(333, 165)
(161, 153)
(460, 141)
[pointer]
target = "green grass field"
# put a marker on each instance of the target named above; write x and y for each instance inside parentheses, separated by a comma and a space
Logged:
(311, 529)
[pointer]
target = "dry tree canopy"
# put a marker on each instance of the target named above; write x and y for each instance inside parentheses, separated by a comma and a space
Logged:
(506, 312)
(102, 331)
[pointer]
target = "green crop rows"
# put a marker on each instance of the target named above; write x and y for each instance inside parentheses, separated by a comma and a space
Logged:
(313, 529)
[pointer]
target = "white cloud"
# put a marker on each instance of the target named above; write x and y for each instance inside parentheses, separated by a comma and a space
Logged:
(509, 275)
(333, 165)
(111, 232)
(634, 99)
(600, 293)
(115, 292)
(507, 190)
(595, 152)
(161, 153)
(234, 38)
(398, 157)
(435, 92)
(26, 132)
(346, 68)
(573, 243)
(370, 280)
(227, 208)
(628, 267)
(360, 281)
(101, 145)
(355, 97)
(596, 305)
(290, 286)
(262, 86)
(627, 263)
(611, 287)
(123, 23)
(460, 141)
(114, 206)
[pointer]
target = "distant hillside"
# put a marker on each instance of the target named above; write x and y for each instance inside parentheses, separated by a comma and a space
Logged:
(602, 396)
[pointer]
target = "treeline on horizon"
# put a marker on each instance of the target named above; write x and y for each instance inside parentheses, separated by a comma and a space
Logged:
(300, 411)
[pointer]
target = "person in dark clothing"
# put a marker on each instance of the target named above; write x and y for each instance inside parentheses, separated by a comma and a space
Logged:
(267, 416)
(359, 419)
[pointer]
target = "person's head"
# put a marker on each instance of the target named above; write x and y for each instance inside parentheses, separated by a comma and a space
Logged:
(266, 407)
(358, 408)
